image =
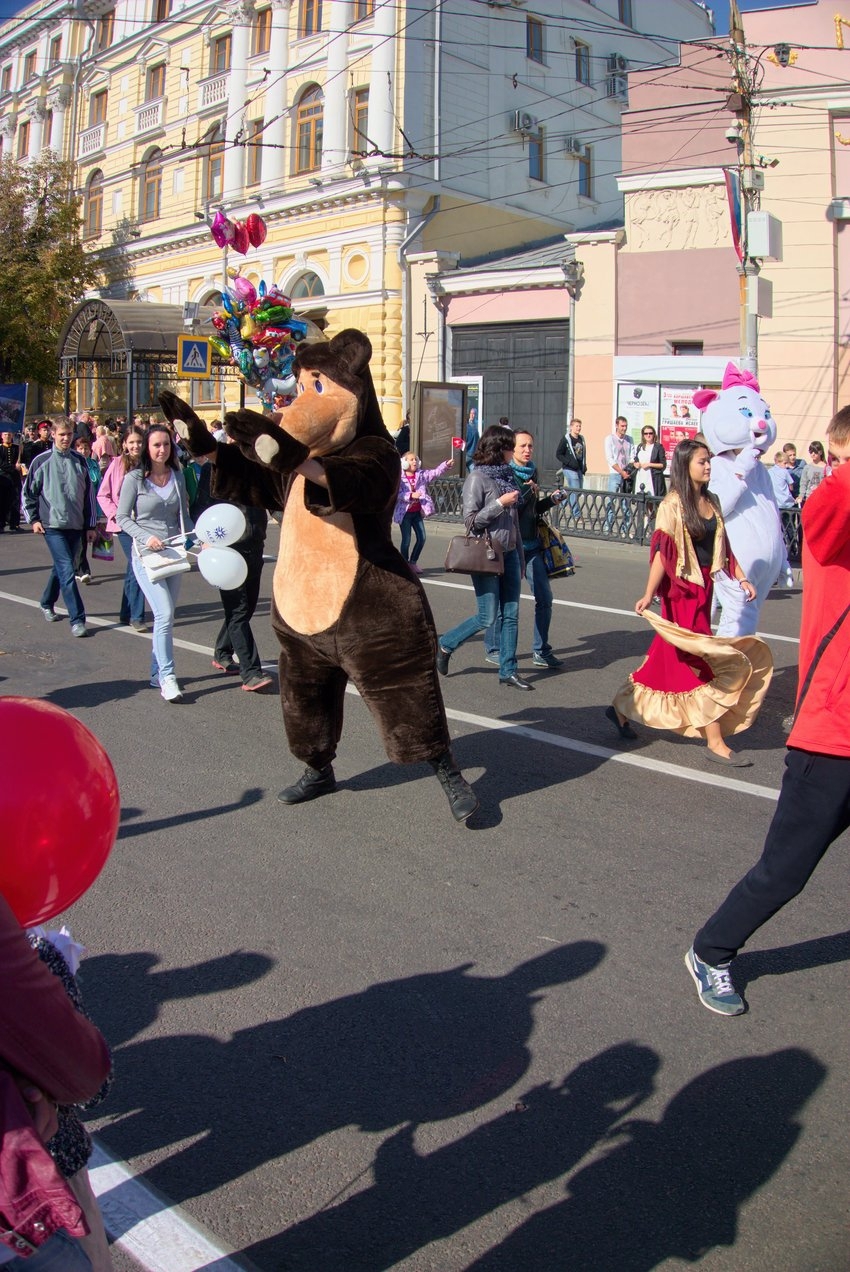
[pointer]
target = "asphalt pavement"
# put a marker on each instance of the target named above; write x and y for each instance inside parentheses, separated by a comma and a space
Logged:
(353, 1036)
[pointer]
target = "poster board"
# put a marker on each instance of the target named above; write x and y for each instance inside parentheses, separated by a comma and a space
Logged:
(439, 415)
(13, 407)
(639, 404)
(679, 418)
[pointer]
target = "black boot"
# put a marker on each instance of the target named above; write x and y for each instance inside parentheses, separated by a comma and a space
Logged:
(311, 784)
(462, 798)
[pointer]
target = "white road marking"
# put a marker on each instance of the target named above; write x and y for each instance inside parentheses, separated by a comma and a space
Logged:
(647, 763)
(159, 1236)
(596, 609)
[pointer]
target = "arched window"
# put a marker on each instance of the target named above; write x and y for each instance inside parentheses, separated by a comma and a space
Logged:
(151, 193)
(214, 174)
(309, 122)
(94, 204)
(306, 286)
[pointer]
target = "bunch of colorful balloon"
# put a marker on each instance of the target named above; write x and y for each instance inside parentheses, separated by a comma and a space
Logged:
(255, 326)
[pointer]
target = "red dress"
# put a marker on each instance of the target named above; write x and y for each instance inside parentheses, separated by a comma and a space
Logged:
(690, 678)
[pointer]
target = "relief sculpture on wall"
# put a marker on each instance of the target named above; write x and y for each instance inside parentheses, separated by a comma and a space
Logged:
(677, 219)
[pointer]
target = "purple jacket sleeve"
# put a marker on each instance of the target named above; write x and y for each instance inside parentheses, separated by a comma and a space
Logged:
(42, 1036)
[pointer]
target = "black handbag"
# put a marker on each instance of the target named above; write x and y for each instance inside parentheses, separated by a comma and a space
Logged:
(474, 554)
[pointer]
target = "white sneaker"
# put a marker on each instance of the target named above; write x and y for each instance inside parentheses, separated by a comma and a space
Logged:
(170, 689)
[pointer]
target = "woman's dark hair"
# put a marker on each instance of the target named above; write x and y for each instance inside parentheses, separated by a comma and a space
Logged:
(681, 484)
(132, 431)
(171, 462)
(494, 440)
(816, 448)
(649, 429)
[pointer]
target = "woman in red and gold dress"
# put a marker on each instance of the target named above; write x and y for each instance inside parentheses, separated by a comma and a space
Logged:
(691, 682)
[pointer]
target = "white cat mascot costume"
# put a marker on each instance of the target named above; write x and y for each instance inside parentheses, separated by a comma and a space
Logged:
(739, 428)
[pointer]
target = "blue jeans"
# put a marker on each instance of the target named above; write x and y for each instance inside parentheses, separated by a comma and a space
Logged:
(541, 590)
(60, 1254)
(162, 599)
(412, 521)
(615, 486)
(575, 481)
(132, 598)
(64, 546)
(497, 595)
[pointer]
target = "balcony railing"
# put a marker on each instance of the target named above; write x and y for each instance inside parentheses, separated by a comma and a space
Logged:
(213, 91)
(150, 115)
(92, 140)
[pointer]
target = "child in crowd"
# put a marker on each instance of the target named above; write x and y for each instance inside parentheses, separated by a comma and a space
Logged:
(414, 504)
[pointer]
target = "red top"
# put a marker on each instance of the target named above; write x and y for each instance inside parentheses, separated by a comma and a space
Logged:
(823, 724)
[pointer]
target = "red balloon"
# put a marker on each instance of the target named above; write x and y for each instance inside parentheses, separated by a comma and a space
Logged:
(58, 821)
(256, 227)
(241, 241)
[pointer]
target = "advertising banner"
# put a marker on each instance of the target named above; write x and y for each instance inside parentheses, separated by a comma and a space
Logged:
(639, 404)
(13, 406)
(679, 417)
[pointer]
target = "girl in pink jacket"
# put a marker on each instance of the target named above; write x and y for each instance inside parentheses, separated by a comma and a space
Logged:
(414, 504)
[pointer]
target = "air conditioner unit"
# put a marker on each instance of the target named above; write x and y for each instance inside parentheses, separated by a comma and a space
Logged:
(617, 64)
(618, 87)
(573, 146)
(524, 122)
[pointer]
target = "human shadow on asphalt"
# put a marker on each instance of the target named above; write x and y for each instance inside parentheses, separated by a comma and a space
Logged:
(252, 795)
(821, 952)
(672, 1189)
(404, 1052)
(417, 1199)
(95, 693)
(125, 992)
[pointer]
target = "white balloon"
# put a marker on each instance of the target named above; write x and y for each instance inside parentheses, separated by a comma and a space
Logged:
(221, 525)
(222, 567)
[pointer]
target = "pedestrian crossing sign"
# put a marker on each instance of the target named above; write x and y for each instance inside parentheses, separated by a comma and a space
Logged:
(194, 358)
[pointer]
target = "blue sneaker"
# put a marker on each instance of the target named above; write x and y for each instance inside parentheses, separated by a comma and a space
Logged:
(714, 986)
(494, 659)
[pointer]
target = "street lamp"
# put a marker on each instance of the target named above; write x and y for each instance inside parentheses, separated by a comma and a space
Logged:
(573, 279)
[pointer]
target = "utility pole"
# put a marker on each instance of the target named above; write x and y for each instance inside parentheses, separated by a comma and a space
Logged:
(751, 180)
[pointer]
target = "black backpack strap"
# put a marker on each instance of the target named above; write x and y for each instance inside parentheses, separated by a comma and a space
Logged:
(818, 655)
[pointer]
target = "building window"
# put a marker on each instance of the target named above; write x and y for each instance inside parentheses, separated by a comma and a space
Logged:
(254, 145)
(105, 27)
(582, 62)
(6, 80)
(534, 39)
(94, 205)
(155, 83)
(363, 9)
(209, 391)
(97, 108)
(215, 165)
(261, 37)
(624, 12)
(306, 286)
(161, 10)
(56, 50)
(309, 18)
(221, 54)
(535, 157)
(24, 140)
(686, 348)
(360, 119)
(29, 66)
(151, 186)
(585, 173)
(309, 123)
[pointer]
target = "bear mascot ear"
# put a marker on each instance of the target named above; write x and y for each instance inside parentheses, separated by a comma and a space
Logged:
(352, 350)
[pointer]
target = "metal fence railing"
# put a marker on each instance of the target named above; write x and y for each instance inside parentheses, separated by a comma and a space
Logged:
(598, 514)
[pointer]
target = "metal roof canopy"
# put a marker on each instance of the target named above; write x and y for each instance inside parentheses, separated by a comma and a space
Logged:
(126, 336)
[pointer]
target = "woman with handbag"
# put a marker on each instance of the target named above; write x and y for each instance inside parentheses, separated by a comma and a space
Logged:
(132, 609)
(153, 509)
(490, 498)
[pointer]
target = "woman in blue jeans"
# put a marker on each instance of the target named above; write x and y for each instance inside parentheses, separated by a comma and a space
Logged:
(490, 496)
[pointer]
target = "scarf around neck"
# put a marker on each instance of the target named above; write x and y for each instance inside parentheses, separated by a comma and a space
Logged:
(502, 474)
(524, 472)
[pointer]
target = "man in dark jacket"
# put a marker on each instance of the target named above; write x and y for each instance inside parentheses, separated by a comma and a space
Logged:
(814, 802)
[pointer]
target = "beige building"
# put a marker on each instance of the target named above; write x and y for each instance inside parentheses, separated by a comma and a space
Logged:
(379, 141)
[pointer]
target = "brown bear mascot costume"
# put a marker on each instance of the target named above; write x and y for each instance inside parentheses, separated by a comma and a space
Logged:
(345, 605)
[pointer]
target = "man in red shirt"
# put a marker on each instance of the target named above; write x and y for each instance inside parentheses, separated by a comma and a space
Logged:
(814, 803)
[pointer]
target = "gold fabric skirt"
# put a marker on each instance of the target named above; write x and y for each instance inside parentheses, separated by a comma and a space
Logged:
(741, 666)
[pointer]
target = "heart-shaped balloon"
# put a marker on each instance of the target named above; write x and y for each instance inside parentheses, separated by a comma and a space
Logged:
(256, 228)
(241, 241)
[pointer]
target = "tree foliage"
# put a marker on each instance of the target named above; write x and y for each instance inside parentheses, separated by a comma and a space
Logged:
(44, 269)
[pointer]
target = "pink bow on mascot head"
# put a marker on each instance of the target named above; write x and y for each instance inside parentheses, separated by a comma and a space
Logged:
(737, 415)
(732, 376)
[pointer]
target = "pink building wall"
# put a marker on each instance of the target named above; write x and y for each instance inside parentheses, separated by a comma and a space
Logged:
(509, 306)
(667, 296)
